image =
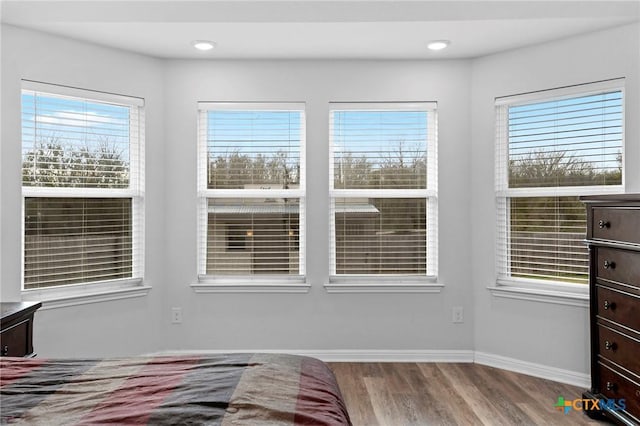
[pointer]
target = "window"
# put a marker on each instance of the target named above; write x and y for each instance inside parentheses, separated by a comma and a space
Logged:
(552, 147)
(251, 190)
(82, 186)
(383, 187)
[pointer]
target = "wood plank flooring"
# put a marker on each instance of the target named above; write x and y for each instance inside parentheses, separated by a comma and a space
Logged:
(403, 394)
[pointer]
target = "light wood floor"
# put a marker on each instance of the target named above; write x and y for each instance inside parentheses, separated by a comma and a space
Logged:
(402, 394)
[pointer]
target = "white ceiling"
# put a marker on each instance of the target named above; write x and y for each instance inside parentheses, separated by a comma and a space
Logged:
(357, 29)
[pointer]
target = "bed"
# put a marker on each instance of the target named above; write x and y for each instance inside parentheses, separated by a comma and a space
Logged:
(229, 389)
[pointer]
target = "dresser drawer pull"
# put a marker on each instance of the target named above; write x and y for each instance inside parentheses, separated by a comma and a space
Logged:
(611, 386)
(609, 264)
(609, 305)
(603, 224)
(5, 350)
(610, 346)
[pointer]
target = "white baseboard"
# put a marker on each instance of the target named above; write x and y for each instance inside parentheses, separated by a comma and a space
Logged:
(391, 355)
(375, 355)
(537, 370)
(353, 355)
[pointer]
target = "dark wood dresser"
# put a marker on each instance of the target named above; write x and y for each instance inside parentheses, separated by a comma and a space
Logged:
(613, 236)
(16, 328)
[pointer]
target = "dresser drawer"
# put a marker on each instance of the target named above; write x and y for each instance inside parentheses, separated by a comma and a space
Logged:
(14, 341)
(615, 386)
(618, 306)
(616, 224)
(618, 265)
(619, 348)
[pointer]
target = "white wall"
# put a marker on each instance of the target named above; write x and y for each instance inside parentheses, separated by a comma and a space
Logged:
(318, 320)
(313, 321)
(99, 329)
(552, 335)
(548, 334)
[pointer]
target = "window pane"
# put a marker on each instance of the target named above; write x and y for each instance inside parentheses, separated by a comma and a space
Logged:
(70, 142)
(253, 236)
(380, 236)
(566, 142)
(253, 148)
(379, 149)
(547, 239)
(76, 240)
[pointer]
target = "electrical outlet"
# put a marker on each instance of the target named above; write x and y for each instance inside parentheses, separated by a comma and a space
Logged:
(457, 314)
(176, 315)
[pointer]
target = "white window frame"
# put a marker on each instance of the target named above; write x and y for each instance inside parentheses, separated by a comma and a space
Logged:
(390, 283)
(532, 289)
(247, 283)
(89, 292)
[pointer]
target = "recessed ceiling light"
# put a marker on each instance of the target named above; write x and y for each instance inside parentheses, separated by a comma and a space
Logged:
(203, 44)
(438, 44)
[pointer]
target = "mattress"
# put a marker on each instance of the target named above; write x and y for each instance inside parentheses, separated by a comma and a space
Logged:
(229, 389)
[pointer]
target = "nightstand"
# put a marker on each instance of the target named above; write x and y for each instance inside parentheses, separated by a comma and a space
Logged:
(16, 328)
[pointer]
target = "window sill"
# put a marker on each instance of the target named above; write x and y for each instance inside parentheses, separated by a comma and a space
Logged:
(564, 295)
(385, 285)
(231, 285)
(86, 293)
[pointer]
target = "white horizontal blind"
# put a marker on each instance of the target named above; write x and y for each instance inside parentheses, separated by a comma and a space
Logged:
(75, 142)
(551, 150)
(251, 183)
(384, 149)
(82, 184)
(380, 236)
(383, 182)
(566, 142)
(77, 240)
(546, 237)
(251, 237)
(259, 147)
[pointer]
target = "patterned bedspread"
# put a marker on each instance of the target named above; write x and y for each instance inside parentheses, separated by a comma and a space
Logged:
(233, 389)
